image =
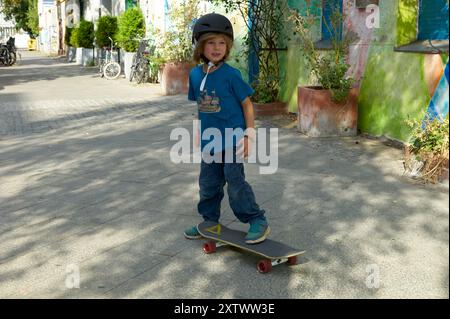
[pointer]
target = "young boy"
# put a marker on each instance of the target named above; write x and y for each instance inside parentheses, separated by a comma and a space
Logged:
(223, 102)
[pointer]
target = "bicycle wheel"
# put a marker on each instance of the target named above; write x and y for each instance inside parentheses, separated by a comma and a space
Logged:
(101, 69)
(133, 68)
(142, 72)
(4, 57)
(112, 70)
(12, 58)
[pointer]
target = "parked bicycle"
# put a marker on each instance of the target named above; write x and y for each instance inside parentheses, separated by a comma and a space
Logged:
(11, 45)
(109, 68)
(8, 55)
(140, 66)
(4, 55)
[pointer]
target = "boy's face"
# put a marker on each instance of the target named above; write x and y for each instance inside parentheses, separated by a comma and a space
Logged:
(215, 49)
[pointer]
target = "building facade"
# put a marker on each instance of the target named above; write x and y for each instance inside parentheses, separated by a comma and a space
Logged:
(397, 60)
(7, 27)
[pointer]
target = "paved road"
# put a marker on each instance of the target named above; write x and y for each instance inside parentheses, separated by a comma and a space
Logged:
(88, 195)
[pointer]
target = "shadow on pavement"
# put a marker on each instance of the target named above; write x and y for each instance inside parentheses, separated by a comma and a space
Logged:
(99, 195)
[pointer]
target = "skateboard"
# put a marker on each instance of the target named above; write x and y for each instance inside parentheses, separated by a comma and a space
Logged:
(274, 253)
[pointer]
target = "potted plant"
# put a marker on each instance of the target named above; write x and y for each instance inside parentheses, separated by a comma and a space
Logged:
(106, 28)
(427, 154)
(75, 44)
(82, 38)
(155, 64)
(264, 41)
(176, 49)
(71, 51)
(329, 108)
(130, 28)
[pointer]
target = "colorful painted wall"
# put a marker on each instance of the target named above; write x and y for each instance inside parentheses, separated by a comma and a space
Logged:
(394, 86)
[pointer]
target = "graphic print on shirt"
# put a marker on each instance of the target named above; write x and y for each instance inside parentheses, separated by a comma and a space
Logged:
(208, 103)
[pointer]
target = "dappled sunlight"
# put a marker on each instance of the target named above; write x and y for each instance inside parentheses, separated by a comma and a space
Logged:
(91, 187)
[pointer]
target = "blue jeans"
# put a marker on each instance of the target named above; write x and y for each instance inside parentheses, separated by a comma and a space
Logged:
(212, 180)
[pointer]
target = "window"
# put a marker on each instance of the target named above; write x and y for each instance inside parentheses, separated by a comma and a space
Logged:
(130, 3)
(429, 29)
(433, 20)
(328, 25)
(331, 23)
(82, 4)
(362, 4)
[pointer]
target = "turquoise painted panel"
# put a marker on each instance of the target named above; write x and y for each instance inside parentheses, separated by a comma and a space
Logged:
(438, 107)
(328, 6)
(433, 20)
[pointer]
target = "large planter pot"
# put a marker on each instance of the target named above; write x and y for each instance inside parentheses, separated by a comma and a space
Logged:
(88, 56)
(270, 109)
(175, 78)
(319, 116)
(71, 54)
(128, 62)
(79, 56)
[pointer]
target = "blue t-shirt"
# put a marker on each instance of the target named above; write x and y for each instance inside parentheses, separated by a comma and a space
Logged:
(219, 105)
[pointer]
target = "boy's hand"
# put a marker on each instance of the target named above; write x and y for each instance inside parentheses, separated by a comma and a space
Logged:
(243, 148)
(244, 145)
(197, 139)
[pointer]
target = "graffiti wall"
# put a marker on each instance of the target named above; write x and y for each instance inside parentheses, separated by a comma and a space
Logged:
(397, 85)
(394, 86)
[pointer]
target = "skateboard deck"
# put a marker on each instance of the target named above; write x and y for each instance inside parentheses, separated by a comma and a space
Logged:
(274, 252)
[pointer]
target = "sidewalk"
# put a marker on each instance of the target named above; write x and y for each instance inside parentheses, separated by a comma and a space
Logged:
(87, 187)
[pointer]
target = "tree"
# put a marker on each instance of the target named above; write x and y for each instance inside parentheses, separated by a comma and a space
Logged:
(264, 21)
(130, 27)
(33, 18)
(25, 13)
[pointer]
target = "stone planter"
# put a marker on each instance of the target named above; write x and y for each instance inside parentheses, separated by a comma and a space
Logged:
(128, 62)
(319, 116)
(79, 56)
(71, 54)
(175, 78)
(270, 109)
(88, 56)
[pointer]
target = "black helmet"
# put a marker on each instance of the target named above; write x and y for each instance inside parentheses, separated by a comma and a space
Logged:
(212, 22)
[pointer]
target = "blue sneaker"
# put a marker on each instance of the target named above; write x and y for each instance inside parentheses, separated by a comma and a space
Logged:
(257, 233)
(192, 233)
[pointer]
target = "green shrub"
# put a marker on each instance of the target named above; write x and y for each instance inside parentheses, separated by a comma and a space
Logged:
(177, 44)
(86, 34)
(106, 27)
(329, 69)
(131, 25)
(74, 37)
(431, 136)
(429, 144)
(67, 36)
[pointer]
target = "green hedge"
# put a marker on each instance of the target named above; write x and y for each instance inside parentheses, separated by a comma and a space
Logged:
(67, 36)
(106, 27)
(86, 34)
(73, 42)
(131, 24)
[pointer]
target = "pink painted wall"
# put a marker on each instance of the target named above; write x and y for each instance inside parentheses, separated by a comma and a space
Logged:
(356, 19)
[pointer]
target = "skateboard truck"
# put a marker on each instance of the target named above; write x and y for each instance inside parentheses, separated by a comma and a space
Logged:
(263, 266)
(273, 253)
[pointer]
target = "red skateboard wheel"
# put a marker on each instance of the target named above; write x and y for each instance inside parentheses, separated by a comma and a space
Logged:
(264, 266)
(209, 247)
(292, 261)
